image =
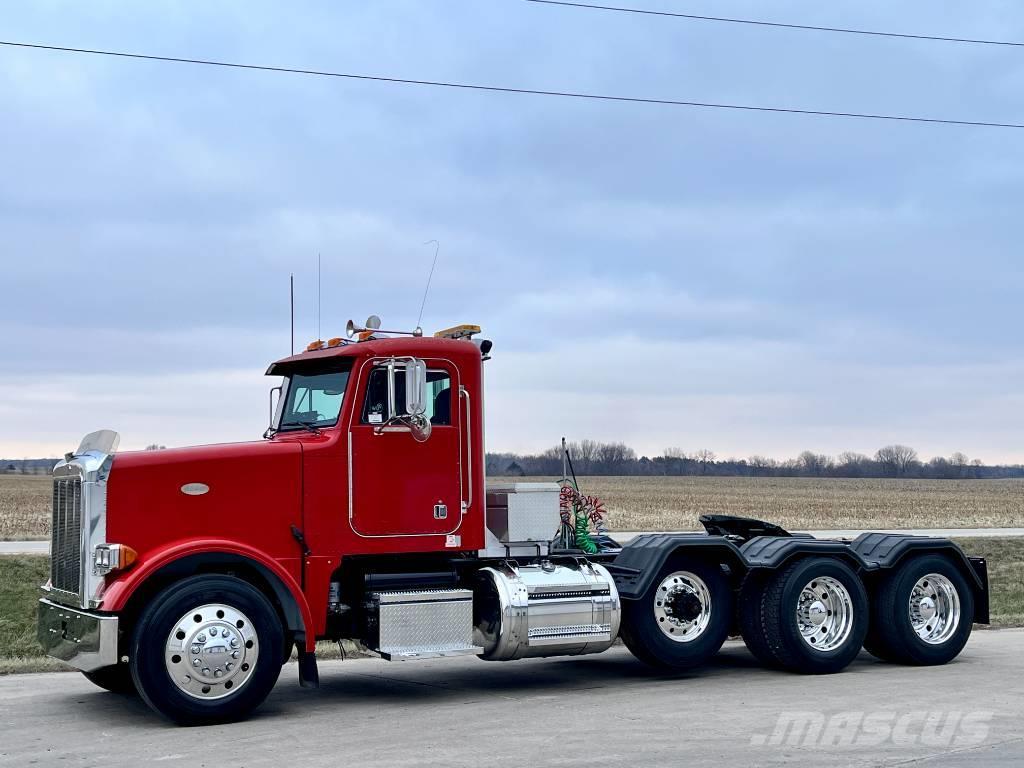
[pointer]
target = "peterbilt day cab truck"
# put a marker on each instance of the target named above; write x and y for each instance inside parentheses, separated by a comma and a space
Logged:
(190, 575)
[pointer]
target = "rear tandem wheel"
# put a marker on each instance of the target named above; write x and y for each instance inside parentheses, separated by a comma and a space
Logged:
(922, 613)
(810, 617)
(683, 618)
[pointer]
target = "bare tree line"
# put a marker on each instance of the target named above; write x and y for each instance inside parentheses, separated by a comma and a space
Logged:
(592, 457)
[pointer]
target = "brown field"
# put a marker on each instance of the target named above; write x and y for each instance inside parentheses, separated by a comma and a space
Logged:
(24, 507)
(674, 503)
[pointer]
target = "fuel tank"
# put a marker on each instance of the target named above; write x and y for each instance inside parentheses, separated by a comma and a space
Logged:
(562, 608)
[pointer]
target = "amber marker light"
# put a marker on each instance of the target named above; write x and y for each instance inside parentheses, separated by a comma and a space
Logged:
(108, 558)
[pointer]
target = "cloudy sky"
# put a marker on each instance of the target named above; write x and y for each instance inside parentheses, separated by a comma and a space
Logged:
(748, 283)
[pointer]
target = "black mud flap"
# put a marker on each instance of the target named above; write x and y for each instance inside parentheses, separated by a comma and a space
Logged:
(981, 597)
(309, 675)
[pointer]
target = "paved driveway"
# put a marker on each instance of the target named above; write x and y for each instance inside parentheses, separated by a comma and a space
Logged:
(604, 710)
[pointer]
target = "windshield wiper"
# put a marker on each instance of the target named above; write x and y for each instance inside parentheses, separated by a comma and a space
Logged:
(308, 425)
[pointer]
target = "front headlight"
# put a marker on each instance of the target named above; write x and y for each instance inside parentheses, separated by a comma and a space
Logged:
(107, 558)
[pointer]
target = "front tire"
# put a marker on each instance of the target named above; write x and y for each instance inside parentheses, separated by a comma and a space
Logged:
(814, 616)
(207, 649)
(922, 614)
(682, 619)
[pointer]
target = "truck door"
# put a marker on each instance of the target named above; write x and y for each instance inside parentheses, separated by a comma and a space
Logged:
(398, 486)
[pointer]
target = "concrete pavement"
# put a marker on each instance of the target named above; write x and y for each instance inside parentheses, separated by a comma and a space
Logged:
(604, 710)
(24, 547)
(43, 547)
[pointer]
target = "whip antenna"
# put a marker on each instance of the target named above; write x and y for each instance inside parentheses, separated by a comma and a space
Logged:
(291, 306)
(437, 247)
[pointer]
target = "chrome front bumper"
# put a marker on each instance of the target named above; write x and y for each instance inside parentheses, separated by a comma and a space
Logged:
(84, 640)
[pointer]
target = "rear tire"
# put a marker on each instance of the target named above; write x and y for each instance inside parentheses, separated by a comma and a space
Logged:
(207, 649)
(116, 679)
(751, 596)
(814, 616)
(922, 614)
(682, 619)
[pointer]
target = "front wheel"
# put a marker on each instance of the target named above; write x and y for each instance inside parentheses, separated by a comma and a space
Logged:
(208, 649)
(682, 619)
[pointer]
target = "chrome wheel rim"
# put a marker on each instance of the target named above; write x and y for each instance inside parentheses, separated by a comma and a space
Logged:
(211, 651)
(682, 606)
(824, 614)
(934, 609)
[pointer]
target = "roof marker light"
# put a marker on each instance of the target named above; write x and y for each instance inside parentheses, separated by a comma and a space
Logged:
(464, 331)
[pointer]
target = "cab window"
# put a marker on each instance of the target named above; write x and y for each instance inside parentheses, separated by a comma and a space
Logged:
(439, 400)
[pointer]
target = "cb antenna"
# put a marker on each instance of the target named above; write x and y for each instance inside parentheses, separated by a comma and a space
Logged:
(318, 297)
(291, 306)
(437, 247)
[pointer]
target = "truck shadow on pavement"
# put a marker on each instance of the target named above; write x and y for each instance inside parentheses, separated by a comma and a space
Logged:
(358, 683)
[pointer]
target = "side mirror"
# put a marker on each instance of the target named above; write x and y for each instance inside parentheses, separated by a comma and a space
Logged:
(415, 405)
(273, 409)
(416, 387)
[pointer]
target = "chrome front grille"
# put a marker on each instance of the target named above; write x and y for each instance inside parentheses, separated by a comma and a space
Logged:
(66, 535)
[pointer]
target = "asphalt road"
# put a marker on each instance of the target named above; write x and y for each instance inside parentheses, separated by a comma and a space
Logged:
(604, 710)
(43, 547)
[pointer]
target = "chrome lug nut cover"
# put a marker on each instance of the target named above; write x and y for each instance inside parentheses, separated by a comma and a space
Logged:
(824, 613)
(934, 609)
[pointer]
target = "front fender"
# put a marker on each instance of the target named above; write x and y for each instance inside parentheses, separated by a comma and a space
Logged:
(119, 592)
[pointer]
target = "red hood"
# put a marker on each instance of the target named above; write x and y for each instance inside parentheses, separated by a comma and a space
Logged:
(246, 492)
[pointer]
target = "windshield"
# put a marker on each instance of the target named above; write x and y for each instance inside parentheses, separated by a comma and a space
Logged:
(313, 400)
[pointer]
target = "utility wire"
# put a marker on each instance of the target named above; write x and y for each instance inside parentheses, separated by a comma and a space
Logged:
(777, 24)
(502, 89)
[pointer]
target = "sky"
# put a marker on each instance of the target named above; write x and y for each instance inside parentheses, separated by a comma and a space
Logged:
(670, 277)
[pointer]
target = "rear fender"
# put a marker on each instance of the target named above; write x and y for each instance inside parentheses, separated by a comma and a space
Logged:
(182, 559)
(771, 552)
(643, 558)
(884, 551)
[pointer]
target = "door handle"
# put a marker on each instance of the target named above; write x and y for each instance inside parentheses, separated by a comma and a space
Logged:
(464, 393)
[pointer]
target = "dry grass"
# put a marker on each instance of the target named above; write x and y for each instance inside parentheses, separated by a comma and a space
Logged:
(1005, 558)
(674, 503)
(25, 507)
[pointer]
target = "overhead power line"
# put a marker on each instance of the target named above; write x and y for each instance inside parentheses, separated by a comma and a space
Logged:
(504, 89)
(777, 24)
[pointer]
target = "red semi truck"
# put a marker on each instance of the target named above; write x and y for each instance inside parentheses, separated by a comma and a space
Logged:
(190, 575)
